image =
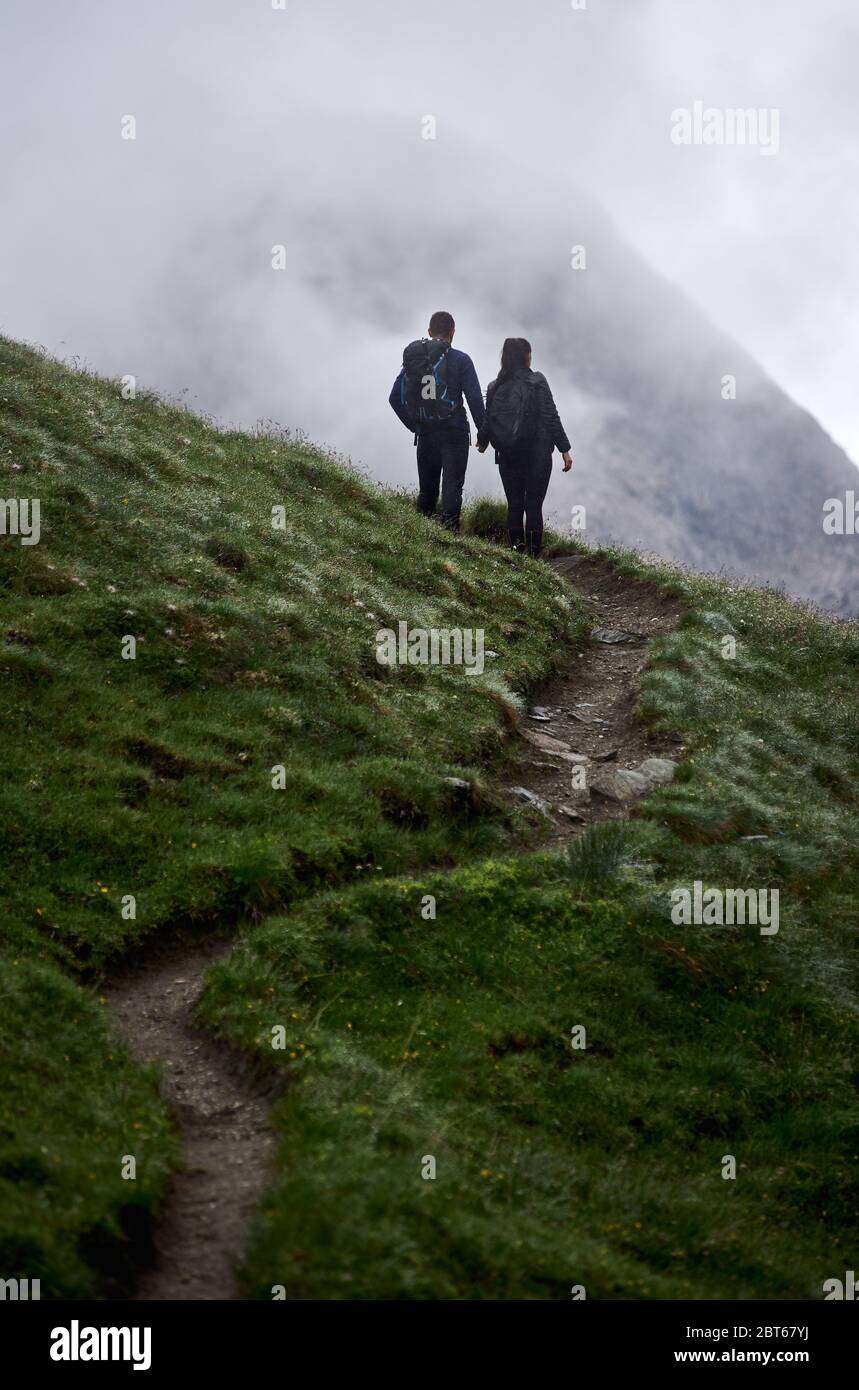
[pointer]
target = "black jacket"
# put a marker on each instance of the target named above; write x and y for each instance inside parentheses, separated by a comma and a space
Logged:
(550, 433)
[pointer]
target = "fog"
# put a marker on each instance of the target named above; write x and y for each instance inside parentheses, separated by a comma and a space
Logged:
(304, 127)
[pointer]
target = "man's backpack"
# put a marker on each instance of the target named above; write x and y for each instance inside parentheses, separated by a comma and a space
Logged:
(511, 413)
(423, 388)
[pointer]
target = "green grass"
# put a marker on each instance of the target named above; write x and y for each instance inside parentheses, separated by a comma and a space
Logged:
(406, 1035)
(451, 1037)
(72, 1110)
(486, 518)
(152, 778)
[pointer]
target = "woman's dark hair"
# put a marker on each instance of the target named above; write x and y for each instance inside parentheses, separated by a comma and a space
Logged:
(515, 353)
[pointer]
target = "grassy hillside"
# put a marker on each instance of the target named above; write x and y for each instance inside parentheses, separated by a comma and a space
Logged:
(408, 1036)
(452, 1038)
(152, 777)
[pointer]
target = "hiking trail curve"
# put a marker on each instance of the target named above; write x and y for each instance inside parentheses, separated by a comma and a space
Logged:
(227, 1146)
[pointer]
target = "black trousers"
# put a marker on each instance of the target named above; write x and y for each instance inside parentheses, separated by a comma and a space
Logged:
(525, 474)
(442, 461)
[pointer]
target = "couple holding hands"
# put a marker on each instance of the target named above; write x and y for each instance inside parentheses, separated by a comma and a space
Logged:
(519, 419)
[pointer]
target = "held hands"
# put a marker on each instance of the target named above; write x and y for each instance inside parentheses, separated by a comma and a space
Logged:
(568, 458)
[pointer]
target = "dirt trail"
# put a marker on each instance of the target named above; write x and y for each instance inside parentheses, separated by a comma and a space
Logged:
(221, 1113)
(591, 703)
(227, 1146)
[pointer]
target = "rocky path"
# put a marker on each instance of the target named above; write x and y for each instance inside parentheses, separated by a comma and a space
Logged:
(584, 717)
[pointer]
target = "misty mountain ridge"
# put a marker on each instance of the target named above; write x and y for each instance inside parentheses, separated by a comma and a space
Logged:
(661, 461)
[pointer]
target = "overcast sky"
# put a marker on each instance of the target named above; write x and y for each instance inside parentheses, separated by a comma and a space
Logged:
(99, 235)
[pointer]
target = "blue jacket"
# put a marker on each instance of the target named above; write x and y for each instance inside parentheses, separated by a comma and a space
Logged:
(461, 381)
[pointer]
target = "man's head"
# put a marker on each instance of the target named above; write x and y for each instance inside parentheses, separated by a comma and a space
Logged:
(441, 325)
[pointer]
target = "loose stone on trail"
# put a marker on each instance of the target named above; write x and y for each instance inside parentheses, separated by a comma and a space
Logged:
(623, 784)
(555, 746)
(609, 636)
(540, 713)
(532, 798)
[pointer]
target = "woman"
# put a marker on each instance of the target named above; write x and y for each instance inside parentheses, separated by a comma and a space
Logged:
(523, 425)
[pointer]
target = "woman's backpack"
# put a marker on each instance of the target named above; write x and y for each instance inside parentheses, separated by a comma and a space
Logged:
(511, 412)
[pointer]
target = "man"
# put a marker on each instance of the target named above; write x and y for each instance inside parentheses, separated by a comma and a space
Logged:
(427, 397)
